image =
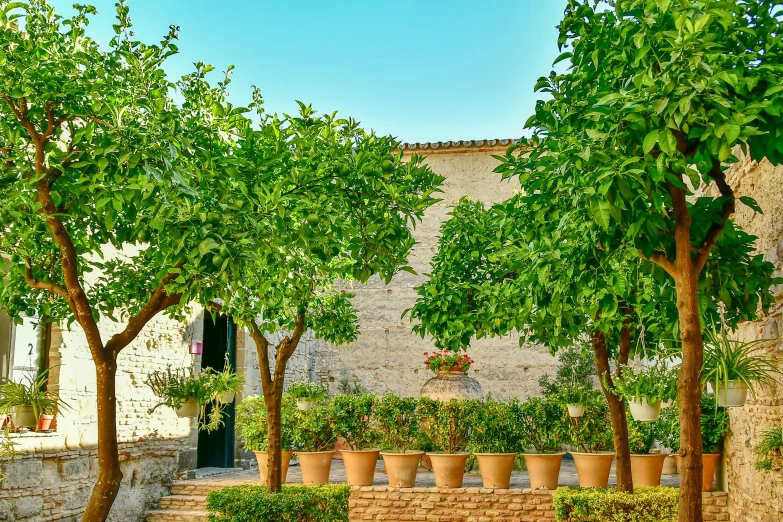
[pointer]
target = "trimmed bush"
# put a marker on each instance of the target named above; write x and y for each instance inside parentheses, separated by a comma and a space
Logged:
(294, 504)
(659, 504)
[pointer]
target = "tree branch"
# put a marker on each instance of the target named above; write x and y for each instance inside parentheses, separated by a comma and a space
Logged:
(262, 349)
(729, 206)
(21, 114)
(661, 260)
(42, 285)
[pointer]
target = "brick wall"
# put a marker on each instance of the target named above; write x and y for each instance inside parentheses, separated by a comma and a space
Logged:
(375, 503)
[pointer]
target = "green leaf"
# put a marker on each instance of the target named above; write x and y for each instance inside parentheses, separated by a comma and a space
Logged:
(750, 202)
(660, 105)
(650, 140)
(663, 5)
(732, 133)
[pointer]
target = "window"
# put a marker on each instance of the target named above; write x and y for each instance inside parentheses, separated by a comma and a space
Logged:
(23, 347)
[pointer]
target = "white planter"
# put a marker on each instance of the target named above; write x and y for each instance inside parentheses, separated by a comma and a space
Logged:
(667, 404)
(644, 411)
(304, 404)
(227, 397)
(24, 417)
(189, 408)
(576, 410)
(732, 397)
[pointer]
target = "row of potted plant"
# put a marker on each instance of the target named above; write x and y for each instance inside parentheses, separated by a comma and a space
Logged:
(29, 404)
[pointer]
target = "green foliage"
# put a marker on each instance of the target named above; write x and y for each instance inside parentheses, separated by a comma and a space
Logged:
(496, 428)
(714, 426)
(448, 423)
(727, 360)
(32, 393)
(667, 428)
(397, 422)
(574, 364)
(312, 429)
(353, 419)
(311, 391)
(649, 383)
(645, 504)
(593, 431)
(293, 504)
(7, 450)
(251, 423)
(544, 424)
(769, 450)
(226, 381)
(346, 387)
(641, 436)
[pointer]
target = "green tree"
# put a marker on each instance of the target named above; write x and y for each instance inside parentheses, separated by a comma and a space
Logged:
(657, 96)
(327, 204)
(95, 156)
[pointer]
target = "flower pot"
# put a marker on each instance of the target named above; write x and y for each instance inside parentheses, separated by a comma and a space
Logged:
(449, 469)
(496, 469)
(360, 466)
(401, 468)
(593, 469)
(645, 411)
(227, 397)
(732, 396)
(426, 462)
(316, 466)
(189, 408)
(646, 470)
(304, 404)
(670, 465)
(24, 417)
(263, 464)
(339, 446)
(452, 385)
(576, 410)
(544, 469)
(667, 404)
(708, 463)
(45, 422)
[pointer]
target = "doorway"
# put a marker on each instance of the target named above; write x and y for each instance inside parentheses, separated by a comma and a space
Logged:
(216, 449)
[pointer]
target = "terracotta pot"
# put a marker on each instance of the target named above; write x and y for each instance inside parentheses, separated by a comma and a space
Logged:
(263, 460)
(45, 422)
(543, 469)
(646, 469)
(670, 465)
(189, 408)
(316, 466)
(339, 446)
(496, 469)
(24, 417)
(360, 466)
(401, 468)
(645, 411)
(452, 385)
(227, 397)
(593, 469)
(733, 396)
(426, 462)
(449, 469)
(576, 410)
(708, 463)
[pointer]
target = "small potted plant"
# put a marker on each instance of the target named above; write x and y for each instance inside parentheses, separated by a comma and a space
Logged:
(770, 450)
(642, 389)
(448, 424)
(313, 438)
(31, 405)
(307, 393)
(180, 389)
(226, 384)
(352, 421)
(732, 368)
(447, 362)
(495, 440)
(592, 433)
(397, 424)
(251, 423)
(646, 467)
(544, 427)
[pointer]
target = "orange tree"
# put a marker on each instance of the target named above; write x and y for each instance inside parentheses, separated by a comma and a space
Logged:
(656, 98)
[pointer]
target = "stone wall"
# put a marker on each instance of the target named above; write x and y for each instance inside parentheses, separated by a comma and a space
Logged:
(758, 496)
(474, 504)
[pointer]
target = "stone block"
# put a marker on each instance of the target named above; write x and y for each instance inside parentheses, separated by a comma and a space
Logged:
(27, 506)
(25, 473)
(74, 469)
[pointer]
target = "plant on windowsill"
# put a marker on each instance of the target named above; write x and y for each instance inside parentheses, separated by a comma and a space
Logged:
(29, 401)
(307, 393)
(770, 450)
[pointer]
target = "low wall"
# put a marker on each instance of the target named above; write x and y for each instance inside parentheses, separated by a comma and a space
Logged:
(475, 505)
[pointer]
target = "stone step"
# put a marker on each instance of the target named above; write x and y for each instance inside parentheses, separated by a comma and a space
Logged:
(160, 515)
(183, 502)
(195, 489)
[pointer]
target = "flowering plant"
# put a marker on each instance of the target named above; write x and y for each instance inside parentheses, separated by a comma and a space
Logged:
(447, 361)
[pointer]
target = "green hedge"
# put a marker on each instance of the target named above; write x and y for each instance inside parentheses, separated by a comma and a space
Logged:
(294, 504)
(658, 504)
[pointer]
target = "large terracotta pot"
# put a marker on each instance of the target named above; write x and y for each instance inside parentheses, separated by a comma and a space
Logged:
(339, 446)
(593, 469)
(708, 463)
(646, 469)
(263, 464)
(24, 417)
(452, 385)
(496, 469)
(316, 466)
(360, 466)
(401, 468)
(449, 469)
(543, 469)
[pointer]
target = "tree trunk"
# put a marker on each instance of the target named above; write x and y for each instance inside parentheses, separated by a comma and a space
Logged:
(109, 473)
(617, 411)
(273, 399)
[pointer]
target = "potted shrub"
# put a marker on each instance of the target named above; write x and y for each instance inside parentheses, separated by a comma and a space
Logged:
(313, 439)
(352, 421)
(225, 385)
(251, 422)
(544, 428)
(495, 440)
(448, 424)
(29, 403)
(180, 389)
(642, 389)
(306, 393)
(732, 368)
(397, 424)
(592, 433)
(646, 467)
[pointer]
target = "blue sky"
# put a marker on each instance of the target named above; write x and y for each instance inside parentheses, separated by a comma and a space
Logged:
(421, 70)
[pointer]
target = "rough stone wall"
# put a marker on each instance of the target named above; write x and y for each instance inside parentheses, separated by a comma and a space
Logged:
(758, 496)
(388, 357)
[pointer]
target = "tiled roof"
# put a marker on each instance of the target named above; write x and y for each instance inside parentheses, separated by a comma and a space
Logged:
(456, 144)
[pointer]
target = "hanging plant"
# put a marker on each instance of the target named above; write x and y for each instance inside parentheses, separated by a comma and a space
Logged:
(770, 450)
